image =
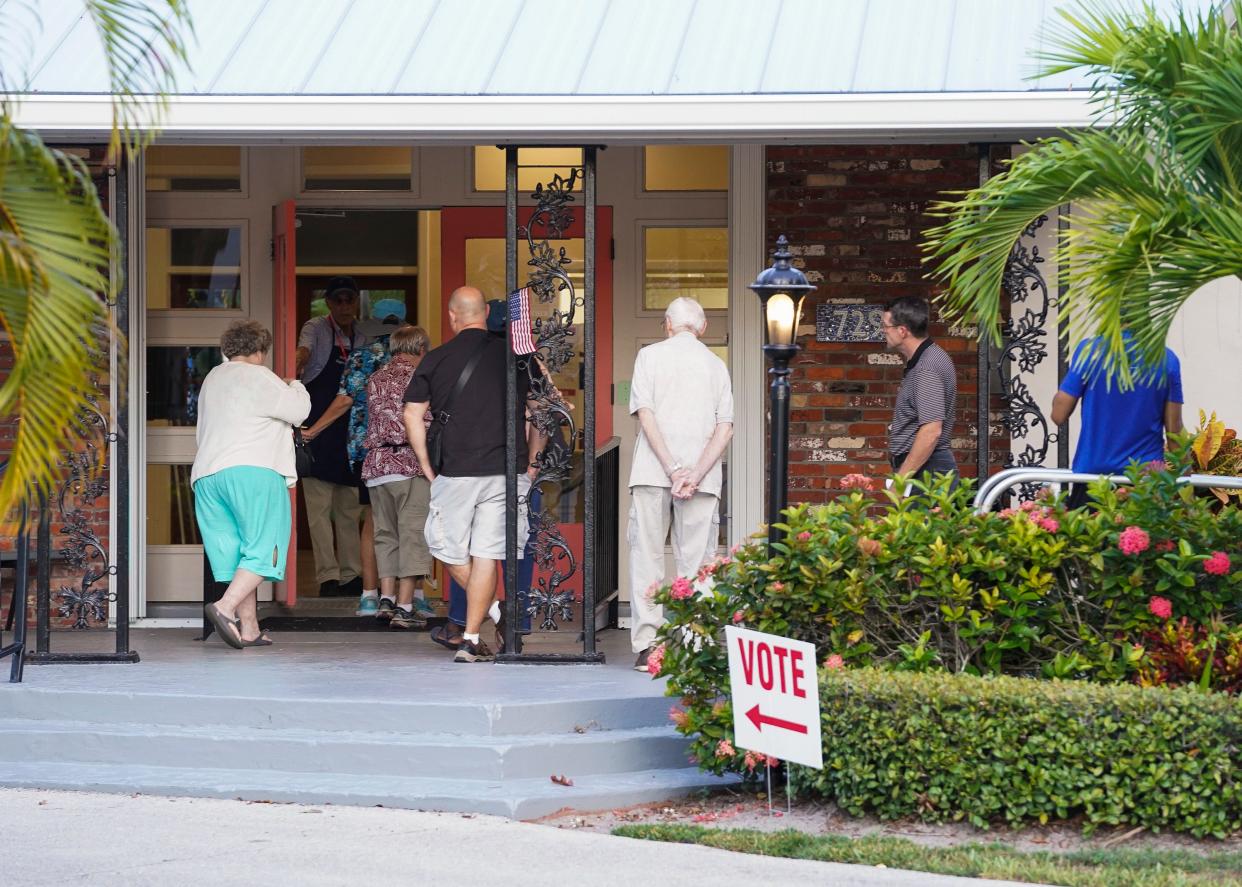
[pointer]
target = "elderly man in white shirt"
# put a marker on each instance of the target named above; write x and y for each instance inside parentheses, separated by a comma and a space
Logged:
(684, 402)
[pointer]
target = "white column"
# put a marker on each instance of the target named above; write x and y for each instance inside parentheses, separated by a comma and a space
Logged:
(747, 211)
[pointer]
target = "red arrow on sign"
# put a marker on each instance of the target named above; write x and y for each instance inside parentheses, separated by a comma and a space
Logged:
(758, 718)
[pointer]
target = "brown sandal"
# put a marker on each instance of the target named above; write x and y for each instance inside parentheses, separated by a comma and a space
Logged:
(440, 634)
(227, 629)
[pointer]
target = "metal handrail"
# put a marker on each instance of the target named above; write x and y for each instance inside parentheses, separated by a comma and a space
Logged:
(1002, 481)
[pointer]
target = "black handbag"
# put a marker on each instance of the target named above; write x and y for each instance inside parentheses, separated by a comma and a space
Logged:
(303, 458)
(435, 432)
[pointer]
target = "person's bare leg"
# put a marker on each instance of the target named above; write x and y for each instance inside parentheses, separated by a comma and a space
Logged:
(370, 567)
(243, 586)
(248, 613)
(480, 592)
(405, 591)
(459, 572)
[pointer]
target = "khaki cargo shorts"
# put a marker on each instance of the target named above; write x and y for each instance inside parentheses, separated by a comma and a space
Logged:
(466, 518)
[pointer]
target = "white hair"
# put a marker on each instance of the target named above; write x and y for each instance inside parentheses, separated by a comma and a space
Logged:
(684, 313)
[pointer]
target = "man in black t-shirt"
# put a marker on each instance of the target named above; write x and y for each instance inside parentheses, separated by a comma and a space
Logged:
(466, 521)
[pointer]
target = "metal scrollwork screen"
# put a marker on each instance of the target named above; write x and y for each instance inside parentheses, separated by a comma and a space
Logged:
(552, 303)
(1025, 348)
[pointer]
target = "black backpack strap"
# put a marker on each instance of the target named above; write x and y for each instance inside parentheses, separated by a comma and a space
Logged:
(466, 373)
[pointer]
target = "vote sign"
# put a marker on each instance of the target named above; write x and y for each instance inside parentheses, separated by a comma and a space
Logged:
(775, 696)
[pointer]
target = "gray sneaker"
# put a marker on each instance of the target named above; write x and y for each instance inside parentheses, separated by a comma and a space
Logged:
(386, 609)
(411, 620)
(479, 652)
(640, 664)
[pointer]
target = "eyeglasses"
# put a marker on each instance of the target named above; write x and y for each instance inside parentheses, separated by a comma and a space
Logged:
(891, 326)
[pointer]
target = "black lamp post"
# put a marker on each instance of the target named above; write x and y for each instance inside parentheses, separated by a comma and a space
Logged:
(781, 289)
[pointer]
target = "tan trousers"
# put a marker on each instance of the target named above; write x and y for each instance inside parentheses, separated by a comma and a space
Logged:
(695, 523)
(400, 510)
(328, 507)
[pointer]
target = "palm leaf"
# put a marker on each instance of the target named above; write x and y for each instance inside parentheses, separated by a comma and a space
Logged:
(54, 266)
(1158, 203)
(143, 41)
(56, 242)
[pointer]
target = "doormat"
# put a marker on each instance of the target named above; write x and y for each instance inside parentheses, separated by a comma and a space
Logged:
(335, 623)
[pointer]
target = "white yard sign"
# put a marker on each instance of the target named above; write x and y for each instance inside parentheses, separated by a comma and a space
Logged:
(775, 696)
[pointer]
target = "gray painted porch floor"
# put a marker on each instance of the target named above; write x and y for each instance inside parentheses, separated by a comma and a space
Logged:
(359, 718)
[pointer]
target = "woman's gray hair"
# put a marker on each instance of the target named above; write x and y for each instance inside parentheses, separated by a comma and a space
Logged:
(245, 337)
(684, 313)
(408, 339)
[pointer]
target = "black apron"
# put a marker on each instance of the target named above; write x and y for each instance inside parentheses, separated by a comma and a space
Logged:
(330, 447)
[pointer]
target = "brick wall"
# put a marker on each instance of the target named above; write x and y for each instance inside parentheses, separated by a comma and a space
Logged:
(855, 215)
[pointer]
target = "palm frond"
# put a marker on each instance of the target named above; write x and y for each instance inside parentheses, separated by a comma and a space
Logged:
(971, 248)
(54, 275)
(143, 40)
(1158, 203)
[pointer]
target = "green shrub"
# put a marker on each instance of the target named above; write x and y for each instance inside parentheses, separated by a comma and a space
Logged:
(927, 585)
(946, 747)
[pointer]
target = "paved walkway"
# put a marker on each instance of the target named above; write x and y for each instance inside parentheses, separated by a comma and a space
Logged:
(67, 838)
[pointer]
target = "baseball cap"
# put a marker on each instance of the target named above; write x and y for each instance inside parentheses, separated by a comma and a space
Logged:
(497, 314)
(386, 316)
(340, 284)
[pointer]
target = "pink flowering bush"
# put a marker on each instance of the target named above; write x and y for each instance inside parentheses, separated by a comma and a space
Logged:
(1133, 540)
(655, 661)
(1218, 564)
(857, 482)
(681, 588)
(927, 585)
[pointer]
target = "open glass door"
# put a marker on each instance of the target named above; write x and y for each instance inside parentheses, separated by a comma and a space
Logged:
(284, 360)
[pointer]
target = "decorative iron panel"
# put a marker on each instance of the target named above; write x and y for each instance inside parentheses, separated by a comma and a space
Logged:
(1024, 349)
(559, 315)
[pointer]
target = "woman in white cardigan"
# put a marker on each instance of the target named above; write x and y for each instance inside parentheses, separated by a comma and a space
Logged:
(242, 474)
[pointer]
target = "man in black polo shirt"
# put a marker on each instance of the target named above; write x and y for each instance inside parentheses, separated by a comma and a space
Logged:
(918, 438)
(466, 520)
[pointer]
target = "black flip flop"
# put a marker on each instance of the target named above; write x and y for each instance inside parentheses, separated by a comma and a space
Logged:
(261, 641)
(227, 630)
(440, 634)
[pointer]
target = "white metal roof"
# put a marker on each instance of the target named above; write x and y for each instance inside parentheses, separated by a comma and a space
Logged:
(578, 47)
(632, 64)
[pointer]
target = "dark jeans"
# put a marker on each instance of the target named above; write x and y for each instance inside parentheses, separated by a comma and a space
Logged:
(941, 461)
(525, 572)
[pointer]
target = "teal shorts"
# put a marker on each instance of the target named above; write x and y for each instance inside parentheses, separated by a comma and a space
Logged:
(243, 516)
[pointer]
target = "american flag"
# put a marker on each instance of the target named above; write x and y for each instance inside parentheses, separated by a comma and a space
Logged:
(519, 322)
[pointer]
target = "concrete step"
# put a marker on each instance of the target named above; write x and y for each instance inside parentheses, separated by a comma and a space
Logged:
(345, 752)
(517, 798)
(382, 715)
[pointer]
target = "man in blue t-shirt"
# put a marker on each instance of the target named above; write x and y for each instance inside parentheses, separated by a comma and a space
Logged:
(1118, 427)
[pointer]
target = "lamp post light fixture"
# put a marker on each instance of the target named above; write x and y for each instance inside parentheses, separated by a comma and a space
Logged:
(781, 290)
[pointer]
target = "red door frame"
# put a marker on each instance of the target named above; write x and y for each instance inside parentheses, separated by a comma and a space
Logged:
(284, 357)
(459, 224)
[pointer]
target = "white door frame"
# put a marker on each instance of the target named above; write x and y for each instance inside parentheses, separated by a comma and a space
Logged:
(747, 193)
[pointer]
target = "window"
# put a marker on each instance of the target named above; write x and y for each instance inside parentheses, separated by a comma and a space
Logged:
(535, 166)
(690, 262)
(686, 168)
(175, 376)
(170, 506)
(358, 169)
(183, 168)
(194, 268)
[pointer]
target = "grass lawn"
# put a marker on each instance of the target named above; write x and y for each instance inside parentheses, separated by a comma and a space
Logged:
(1086, 868)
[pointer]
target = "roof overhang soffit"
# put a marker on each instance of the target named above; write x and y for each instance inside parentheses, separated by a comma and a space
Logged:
(564, 119)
